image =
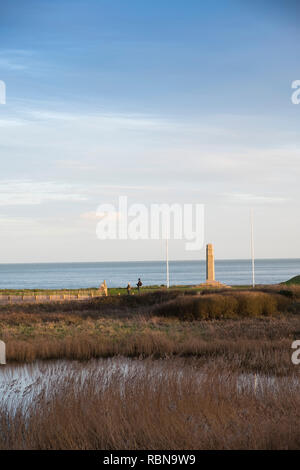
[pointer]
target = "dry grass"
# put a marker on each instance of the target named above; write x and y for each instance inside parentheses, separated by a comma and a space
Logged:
(247, 344)
(247, 329)
(196, 398)
(169, 405)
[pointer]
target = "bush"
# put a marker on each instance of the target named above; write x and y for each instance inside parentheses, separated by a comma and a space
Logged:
(225, 305)
(215, 306)
(287, 293)
(254, 304)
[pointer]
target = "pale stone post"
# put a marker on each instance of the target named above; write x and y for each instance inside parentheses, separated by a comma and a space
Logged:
(103, 289)
(2, 353)
(210, 263)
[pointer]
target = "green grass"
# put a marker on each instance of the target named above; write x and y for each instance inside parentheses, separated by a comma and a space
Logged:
(293, 281)
(113, 291)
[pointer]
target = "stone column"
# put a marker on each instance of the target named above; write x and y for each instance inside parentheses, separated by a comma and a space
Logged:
(210, 263)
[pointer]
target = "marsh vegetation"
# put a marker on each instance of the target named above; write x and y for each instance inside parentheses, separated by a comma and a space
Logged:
(133, 404)
(164, 370)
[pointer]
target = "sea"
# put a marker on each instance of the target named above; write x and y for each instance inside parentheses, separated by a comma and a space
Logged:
(118, 274)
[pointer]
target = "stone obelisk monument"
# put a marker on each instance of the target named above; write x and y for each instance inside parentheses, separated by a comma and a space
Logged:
(210, 269)
(210, 263)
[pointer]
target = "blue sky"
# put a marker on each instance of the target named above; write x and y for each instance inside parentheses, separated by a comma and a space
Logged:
(162, 101)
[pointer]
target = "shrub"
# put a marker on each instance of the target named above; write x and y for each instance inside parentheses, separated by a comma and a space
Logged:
(215, 306)
(287, 293)
(254, 304)
(225, 305)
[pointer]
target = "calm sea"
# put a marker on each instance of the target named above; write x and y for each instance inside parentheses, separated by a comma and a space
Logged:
(76, 275)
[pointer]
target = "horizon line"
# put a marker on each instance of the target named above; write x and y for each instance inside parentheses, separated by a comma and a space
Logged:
(148, 261)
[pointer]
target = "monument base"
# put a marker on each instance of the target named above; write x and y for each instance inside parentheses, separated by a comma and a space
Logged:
(213, 285)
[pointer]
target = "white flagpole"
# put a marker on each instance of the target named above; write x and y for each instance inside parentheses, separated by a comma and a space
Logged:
(167, 262)
(252, 250)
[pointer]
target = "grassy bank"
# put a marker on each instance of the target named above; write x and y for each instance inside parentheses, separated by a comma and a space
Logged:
(112, 291)
(294, 281)
(249, 330)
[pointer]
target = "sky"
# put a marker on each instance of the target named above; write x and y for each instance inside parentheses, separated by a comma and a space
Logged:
(167, 101)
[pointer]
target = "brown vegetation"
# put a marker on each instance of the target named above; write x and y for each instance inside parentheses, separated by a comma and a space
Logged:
(247, 344)
(225, 305)
(168, 405)
(250, 330)
(196, 398)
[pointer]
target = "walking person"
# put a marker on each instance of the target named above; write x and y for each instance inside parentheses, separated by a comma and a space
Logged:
(128, 288)
(139, 284)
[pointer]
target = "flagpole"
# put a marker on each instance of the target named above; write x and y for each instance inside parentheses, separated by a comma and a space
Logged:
(252, 250)
(167, 262)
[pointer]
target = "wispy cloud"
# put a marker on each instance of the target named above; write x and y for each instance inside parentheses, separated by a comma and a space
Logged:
(246, 198)
(103, 120)
(15, 59)
(96, 215)
(8, 64)
(20, 192)
(27, 192)
(11, 122)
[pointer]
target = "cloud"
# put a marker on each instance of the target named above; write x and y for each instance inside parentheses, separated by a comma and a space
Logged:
(254, 199)
(90, 215)
(27, 192)
(129, 121)
(34, 227)
(15, 59)
(97, 215)
(22, 192)
(10, 65)
(76, 165)
(149, 157)
(105, 121)
(11, 122)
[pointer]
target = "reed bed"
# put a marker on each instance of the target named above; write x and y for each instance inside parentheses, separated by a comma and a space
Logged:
(245, 355)
(170, 404)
